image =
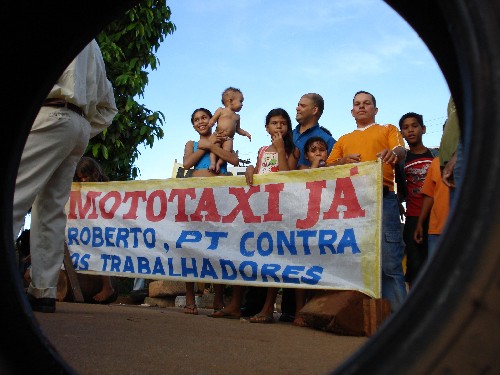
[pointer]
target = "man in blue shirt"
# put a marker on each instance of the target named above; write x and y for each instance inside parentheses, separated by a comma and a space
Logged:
(309, 110)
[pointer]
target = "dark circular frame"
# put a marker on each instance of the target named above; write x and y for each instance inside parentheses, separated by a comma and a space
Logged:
(449, 323)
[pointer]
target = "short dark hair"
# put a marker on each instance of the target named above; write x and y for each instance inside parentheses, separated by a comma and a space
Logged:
(318, 102)
(312, 140)
(367, 93)
(416, 116)
(228, 91)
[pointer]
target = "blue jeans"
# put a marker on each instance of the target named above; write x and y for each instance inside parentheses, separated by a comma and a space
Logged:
(393, 280)
(432, 241)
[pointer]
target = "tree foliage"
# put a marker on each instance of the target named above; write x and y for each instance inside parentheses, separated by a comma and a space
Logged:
(128, 46)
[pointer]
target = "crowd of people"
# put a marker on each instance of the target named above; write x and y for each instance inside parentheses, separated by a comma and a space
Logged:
(82, 104)
(419, 199)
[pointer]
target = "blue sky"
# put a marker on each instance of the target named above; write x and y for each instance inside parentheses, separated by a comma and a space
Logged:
(276, 51)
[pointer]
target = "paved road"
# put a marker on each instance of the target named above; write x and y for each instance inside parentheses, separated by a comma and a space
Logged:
(132, 339)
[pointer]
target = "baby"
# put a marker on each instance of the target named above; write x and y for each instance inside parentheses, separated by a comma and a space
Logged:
(228, 123)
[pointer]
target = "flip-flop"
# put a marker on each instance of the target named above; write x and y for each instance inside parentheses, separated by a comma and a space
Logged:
(191, 309)
(266, 319)
(212, 313)
(224, 315)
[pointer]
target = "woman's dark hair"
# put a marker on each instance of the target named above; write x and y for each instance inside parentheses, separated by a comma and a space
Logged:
(202, 110)
(288, 137)
(91, 168)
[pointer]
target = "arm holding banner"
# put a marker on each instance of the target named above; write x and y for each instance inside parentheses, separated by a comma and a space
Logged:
(353, 158)
(249, 172)
(392, 156)
(395, 151)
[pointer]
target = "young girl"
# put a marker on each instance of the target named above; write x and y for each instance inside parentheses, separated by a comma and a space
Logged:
(316, 152)
(89, 170)
(280, 155)
(197, 156)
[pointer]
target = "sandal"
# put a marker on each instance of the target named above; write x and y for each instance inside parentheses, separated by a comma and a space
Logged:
(191, 309)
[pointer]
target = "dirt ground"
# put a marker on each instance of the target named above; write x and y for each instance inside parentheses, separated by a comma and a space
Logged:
(122, 338)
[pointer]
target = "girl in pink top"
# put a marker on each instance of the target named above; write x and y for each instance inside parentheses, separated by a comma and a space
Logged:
(280, 155)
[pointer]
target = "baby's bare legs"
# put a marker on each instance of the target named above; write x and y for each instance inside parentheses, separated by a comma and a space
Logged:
(228, 146)
(213, 161)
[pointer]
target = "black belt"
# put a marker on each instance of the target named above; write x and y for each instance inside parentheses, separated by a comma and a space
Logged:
(385, 190)
(62, 103)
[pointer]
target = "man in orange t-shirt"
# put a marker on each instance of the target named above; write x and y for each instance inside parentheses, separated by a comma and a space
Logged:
(367, 142)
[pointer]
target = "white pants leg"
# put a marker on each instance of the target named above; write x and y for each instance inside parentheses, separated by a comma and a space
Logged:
(57, 141)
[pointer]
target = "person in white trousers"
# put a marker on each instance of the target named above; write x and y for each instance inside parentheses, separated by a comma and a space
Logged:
(80, 105)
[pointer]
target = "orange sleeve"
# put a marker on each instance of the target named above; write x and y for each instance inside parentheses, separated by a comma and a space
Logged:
(434, 172)
(394, 137)
(336, 152)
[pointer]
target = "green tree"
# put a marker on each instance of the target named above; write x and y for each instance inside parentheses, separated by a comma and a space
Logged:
(128, 46)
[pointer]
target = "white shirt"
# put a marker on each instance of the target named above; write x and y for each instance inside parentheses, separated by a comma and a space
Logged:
(84, 83)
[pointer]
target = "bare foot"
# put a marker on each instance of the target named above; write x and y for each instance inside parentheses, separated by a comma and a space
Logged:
(217, 307)
(104, 294)
(211, 167)
(299, 321)
(225, 314)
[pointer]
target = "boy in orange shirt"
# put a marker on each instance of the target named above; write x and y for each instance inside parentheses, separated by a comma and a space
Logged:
(436, 198)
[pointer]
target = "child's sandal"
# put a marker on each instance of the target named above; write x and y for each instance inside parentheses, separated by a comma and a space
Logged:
(191, 309)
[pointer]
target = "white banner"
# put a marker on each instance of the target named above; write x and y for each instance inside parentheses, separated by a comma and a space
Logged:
(317, 228)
